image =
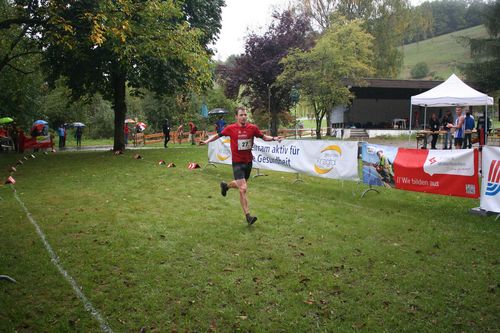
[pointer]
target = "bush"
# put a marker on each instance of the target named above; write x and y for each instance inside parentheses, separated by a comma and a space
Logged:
(420, 70)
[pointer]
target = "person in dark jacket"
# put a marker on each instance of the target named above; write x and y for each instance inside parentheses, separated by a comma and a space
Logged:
(166, 132)
(469, 126)
(434, 125)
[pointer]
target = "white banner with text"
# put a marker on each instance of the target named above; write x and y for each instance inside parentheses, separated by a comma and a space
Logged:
(321, 158)
(490, 186)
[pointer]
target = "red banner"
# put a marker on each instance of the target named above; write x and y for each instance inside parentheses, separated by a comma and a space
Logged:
(37, 142)
(447, 172)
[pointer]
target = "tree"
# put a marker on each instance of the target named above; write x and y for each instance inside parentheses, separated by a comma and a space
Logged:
(257, 69)
(344, 52)
(386, 20)
(105, 46)
(486, 52)
(420, 70)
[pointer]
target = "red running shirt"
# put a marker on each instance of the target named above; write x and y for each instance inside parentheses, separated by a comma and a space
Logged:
(242, 141)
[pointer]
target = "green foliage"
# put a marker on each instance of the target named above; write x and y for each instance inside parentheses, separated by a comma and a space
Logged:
(344, 51)
(420, 70)
(386, 20)
(486, 52)
(107, 45)
(444, 54)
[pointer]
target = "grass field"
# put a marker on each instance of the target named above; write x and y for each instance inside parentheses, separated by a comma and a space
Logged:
(443, 54)
(158, 249)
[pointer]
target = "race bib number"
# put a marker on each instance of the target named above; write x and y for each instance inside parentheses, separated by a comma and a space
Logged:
(244, 144)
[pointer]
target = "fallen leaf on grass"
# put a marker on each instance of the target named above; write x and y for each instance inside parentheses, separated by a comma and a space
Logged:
(213, 326)
(242, 317)
(358, 325)
(228, 269)
(309, 301)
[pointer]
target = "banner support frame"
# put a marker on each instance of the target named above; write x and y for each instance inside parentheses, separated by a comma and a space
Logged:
(259, 174)
(298, 179)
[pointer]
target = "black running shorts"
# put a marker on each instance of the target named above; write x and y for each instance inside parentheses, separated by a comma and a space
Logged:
(242, 170)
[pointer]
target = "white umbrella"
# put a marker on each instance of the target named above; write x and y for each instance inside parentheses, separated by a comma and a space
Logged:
(77, 124)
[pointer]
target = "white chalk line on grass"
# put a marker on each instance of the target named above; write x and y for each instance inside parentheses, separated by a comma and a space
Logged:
(55, 260)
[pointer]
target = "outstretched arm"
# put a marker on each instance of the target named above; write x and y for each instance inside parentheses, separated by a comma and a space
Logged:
(272, 138)
(210, 139)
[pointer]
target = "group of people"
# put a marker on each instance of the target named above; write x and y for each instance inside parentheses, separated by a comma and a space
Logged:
(220, 124)
(126, 131)
(458, 130)
(179, 132)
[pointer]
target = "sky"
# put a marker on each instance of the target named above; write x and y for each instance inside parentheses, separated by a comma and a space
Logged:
(239, 17)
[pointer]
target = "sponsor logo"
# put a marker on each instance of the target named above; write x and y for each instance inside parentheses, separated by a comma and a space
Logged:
(327, 159)
(225, 152)
(493, 185)
(453, 162)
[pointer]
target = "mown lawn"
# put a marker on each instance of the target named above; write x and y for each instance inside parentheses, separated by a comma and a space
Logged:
(159, 249)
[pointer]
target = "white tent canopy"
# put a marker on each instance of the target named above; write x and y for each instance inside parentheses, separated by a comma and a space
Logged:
(450, 93)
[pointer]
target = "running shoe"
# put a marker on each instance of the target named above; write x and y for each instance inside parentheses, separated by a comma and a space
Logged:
(251, 219)
(223, 188)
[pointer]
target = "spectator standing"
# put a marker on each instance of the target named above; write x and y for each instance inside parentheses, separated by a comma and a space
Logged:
(448, 137)
(192, 132)
(434, 126)
(78, 136)
(60, 133)
(459, 128)
(180, 132)
(126, 132)
(469, 126)
(166, 132)
(220, 124)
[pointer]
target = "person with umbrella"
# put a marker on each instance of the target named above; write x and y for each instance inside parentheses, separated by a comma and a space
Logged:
(78, 135)
(220, 124)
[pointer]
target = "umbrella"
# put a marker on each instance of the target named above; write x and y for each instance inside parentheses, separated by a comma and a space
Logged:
(204, 110)
(129, 121)
(6, 120)
(217, 111)
(142, 126)
(77, 124)
(40, 122)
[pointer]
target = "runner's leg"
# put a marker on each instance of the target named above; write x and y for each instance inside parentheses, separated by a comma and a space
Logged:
(242, 186)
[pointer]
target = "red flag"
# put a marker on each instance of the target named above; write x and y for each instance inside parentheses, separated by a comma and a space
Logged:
(10, 180)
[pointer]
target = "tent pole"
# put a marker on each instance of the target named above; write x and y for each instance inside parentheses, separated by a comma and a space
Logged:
(425, 116)
(409, 135)
(486, 124)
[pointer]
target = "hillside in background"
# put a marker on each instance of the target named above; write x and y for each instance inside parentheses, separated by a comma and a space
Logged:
(443, 54)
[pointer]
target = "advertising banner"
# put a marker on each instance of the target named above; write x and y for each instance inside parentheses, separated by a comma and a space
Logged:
(490, 186)
(378, 163)
(321, 158)
(37, 142)
(447, 172)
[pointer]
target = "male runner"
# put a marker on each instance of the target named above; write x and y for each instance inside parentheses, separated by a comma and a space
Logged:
(241, 134)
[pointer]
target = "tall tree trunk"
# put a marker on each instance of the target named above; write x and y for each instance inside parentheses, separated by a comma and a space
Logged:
(328, 123)
(318, 115)
(120, 108)
(275, 122)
